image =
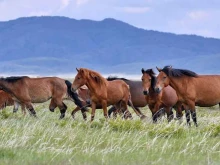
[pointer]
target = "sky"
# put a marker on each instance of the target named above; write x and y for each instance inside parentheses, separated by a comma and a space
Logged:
(200, 17)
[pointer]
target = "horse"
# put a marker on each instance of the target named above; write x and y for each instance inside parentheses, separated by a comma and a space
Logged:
(25, 91)
(166, 99)
(192, 89)
(6, 100)
(137, 97)
(102, 92)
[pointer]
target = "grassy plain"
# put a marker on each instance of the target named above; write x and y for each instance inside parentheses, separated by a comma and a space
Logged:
(47, 140)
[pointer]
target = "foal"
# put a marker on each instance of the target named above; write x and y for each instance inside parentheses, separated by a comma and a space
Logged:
(102, 92)
(25, 91)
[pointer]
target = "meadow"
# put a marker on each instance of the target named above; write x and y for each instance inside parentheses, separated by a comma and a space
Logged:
(48, 140)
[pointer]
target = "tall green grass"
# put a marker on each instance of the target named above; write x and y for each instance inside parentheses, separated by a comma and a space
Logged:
(47, 140)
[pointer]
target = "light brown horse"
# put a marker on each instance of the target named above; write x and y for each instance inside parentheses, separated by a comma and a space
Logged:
(6, 100)
(191, 89)
(102, 92)
(25, 91)
(166, 99)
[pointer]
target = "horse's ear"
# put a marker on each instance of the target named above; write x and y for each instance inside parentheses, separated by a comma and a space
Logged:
(142, 70)
(77, 69)
(151, 72)
(159, 70)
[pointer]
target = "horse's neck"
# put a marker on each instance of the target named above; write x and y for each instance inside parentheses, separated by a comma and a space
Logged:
(178, 84)
(93, 87)
(5, 86)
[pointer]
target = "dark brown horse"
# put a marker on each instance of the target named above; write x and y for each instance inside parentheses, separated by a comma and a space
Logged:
(102, 92)
(192, 89)
(25, 91)
(166, 99)
(137, 97)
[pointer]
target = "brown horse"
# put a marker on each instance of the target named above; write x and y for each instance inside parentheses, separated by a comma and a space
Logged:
(103, 92)
(166, 99)
(25, 91)
(6, 100)
(192, 89)
(137, 97)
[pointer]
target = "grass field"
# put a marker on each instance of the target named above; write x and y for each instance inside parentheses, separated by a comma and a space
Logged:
(47, 140)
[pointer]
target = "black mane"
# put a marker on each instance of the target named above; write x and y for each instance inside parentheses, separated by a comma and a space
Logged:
(13, 79)
(152, 75)
(169, 71)
(111, 78)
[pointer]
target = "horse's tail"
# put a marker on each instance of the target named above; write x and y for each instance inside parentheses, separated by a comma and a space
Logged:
(74, 95)
(136, 110)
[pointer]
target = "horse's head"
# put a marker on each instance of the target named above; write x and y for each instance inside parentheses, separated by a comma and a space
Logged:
(79, 80)
(162, 80)
(148, 79)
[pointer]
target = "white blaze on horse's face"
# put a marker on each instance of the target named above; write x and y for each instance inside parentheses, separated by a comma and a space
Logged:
(146, 83)
(162, 81)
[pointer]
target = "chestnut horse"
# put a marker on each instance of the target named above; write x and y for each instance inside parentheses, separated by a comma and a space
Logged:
(137, 97)
(6, 100)
(191, 89)
(102, 92)
(166, 99)
(25, 91)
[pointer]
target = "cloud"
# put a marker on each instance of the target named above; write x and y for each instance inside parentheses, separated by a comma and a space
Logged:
(198, 15)
(136, 10)
(81, 2)
(64, 4)
(40, 13)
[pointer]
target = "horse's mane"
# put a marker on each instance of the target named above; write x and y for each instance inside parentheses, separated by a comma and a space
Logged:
(152, 75)
(111, 78)
(13, 79)
(98, 78)
(169, 71)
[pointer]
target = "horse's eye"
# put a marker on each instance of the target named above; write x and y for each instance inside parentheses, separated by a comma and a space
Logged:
(142, 79)
(164, 77)
(78, 78)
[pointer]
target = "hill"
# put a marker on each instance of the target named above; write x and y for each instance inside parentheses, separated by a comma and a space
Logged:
(57, 45)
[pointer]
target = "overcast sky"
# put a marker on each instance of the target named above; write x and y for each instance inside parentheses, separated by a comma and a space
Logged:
(201, 17)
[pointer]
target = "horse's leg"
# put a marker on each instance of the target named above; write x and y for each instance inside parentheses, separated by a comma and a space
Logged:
(179, 113)
(16, 106)
(30, 107)
(23, 109)
(105, 111)
(93, 111)
(76, 110)
(125, 110)
(52, 105)
(169, 113)
(112, 109)
(62, 108)
(155, 111)
(192, 109)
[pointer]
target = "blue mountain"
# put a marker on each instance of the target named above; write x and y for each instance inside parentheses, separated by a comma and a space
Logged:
(57, 45)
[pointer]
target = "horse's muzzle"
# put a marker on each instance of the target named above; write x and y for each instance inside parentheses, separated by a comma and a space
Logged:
(157, 90)
(145, 92)
(73, 89)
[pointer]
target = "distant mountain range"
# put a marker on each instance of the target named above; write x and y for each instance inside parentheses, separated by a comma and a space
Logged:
(57, 45)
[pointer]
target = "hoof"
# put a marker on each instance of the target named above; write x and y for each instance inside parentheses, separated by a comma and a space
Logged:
(62, 116)
(143, 117)
(52, 110)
